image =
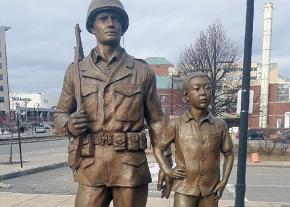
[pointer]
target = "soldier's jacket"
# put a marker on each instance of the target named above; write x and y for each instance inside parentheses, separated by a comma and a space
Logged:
(115, 103)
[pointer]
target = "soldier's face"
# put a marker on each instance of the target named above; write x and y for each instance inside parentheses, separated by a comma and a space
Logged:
(199, 92)
(108, 27)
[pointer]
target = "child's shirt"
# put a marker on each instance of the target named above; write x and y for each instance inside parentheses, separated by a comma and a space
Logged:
(198, 147)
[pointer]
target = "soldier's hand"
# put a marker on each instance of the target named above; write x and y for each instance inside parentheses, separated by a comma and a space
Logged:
(164, 184)
(78, 123)
(161, 180)
(168, 185)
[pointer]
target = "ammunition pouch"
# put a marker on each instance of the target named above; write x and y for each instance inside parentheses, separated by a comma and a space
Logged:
(131, 141)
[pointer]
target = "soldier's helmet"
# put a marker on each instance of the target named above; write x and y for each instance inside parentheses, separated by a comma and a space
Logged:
(103, 5)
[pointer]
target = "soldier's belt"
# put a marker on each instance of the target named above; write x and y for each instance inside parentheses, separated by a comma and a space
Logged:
(132, 141)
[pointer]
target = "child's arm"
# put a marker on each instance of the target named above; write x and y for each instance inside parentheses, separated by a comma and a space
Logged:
(227, 168)
(227, 150)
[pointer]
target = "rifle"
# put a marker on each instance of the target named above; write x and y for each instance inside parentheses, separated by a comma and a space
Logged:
(79, 55)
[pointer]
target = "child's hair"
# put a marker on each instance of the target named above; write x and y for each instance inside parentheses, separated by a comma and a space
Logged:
(190, 76)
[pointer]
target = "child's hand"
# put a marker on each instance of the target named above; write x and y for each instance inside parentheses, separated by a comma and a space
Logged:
(179, 174)
(219, 189)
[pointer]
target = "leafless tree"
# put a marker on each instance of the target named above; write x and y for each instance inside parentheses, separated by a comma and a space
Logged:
(214, 54)
(5, 122)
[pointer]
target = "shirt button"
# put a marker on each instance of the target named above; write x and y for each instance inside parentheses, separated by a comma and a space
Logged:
(202, 159)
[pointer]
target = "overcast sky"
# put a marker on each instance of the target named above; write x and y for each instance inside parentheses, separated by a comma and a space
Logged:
(41, 40)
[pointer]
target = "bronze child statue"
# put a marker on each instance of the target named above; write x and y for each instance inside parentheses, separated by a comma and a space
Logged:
(199, 138)
(116, 93)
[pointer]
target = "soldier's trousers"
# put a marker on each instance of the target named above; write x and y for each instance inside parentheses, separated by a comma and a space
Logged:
(181, 200)
(88, 196)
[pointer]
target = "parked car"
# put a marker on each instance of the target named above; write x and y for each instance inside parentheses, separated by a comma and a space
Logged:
(40, 129)
(47, 126)
(255, 134)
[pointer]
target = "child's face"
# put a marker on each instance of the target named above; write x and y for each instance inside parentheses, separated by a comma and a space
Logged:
(199, 92)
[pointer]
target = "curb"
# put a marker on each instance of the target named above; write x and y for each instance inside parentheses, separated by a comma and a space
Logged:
(31, 140)
(32, 170)
(268, 165)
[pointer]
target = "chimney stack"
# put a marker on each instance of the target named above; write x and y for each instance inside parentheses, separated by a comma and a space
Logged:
(264, 98)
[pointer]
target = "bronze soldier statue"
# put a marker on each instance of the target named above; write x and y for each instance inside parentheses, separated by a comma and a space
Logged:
(199, 138)
(105, 99)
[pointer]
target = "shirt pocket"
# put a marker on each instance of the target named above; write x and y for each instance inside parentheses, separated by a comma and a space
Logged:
(213, 142)
(90, 99)
(127, 102)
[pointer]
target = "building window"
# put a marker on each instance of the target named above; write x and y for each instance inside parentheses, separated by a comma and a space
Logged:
(163, 108)
(162, 97)
(1, 76)
(1, 88)
(1, 99)
(283, 92)
(254, 69)
(0, 65)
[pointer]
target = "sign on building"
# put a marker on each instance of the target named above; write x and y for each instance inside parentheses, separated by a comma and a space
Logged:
(251, 101)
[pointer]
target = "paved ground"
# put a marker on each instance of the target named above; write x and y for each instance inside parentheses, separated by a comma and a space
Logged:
(50, 200)
(263, 183)
(275, 180)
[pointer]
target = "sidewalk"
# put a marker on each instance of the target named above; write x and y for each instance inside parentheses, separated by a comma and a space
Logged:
(53, 159)
(50, 200)
(34, 163)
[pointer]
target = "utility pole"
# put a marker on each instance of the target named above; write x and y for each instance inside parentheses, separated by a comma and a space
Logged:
(242, 156)
(19, 138)
(173, 73)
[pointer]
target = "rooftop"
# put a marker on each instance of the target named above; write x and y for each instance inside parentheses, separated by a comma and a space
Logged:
(157, 61)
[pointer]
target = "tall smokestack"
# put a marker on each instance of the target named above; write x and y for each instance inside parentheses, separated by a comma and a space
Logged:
(268, 12)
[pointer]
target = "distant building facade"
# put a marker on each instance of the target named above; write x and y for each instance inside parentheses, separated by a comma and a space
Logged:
(28, 100)
(4, 92)
(278, 99)
(33, 107)
(278, 105)
(172, 101)
(160, 65)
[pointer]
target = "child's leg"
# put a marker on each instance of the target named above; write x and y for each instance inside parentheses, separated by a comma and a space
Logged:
(181, 200)
(207, 201)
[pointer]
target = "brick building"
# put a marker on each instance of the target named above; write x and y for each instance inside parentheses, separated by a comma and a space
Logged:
(278, 105)
(171, 99)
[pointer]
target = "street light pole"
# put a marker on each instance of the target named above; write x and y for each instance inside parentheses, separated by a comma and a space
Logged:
(173, 73)
(35, 117)
(19, 139)
(242, 155)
